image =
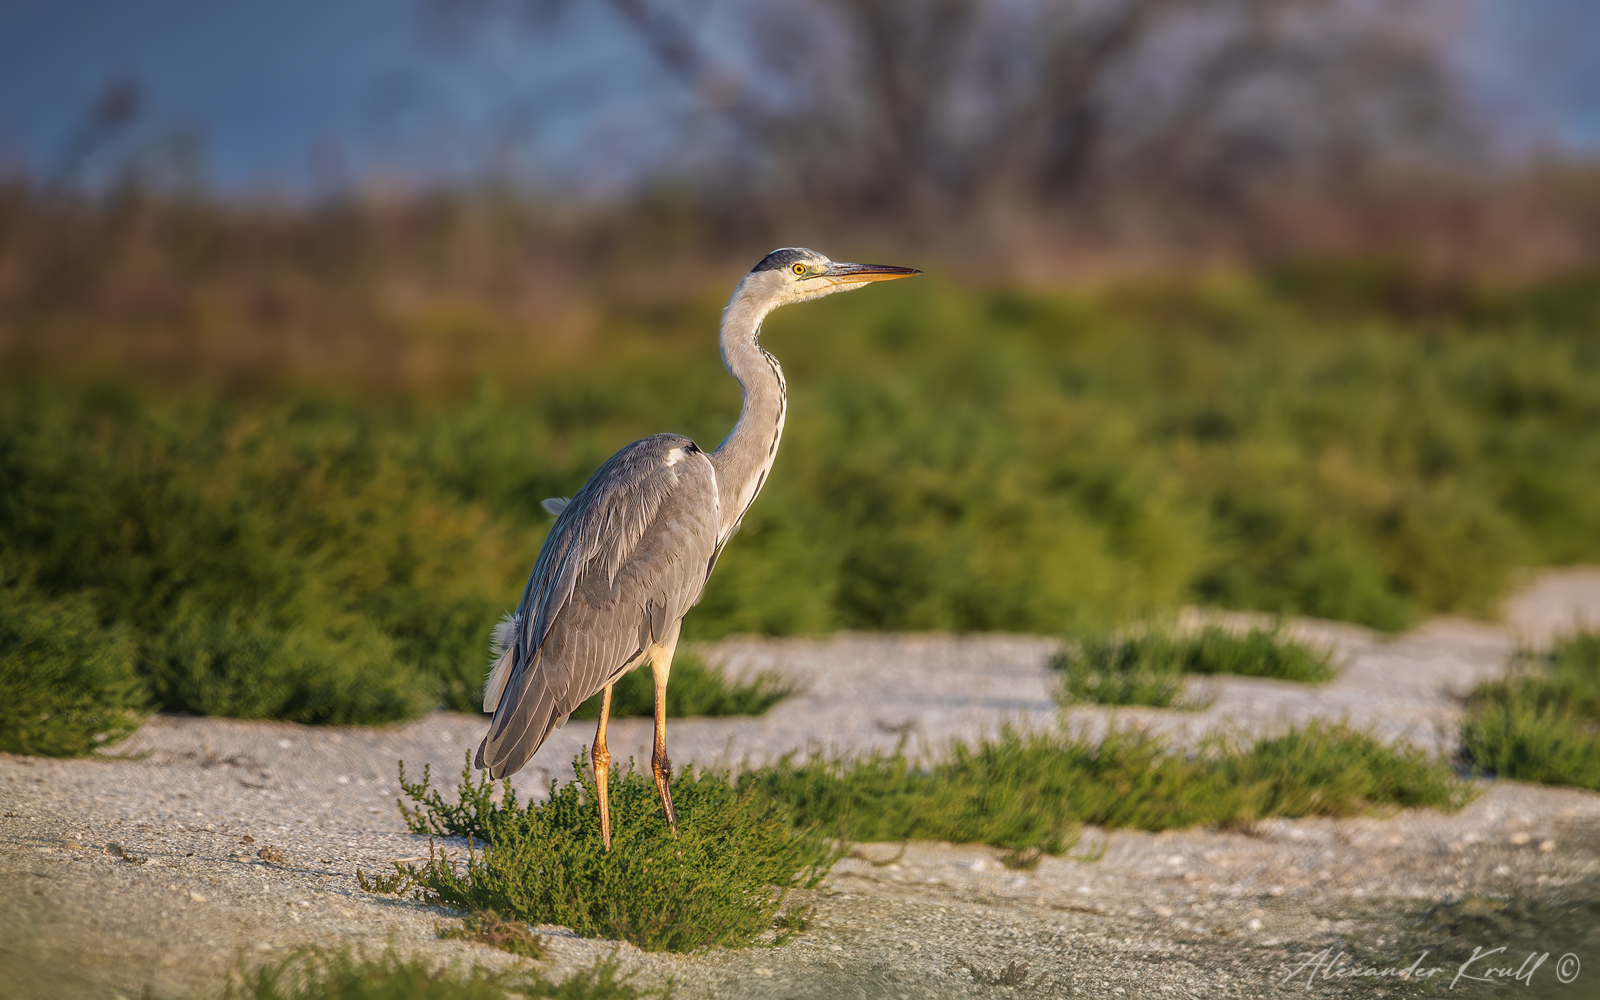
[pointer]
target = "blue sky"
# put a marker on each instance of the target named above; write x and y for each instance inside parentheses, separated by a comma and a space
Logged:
(294, 94)
(262, 82)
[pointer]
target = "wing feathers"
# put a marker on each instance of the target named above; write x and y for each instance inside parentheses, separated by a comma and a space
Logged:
(625, 560)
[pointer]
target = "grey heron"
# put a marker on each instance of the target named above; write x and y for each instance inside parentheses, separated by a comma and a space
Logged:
(630, 553)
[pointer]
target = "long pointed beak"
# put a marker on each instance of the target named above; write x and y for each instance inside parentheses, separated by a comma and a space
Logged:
(852, 274)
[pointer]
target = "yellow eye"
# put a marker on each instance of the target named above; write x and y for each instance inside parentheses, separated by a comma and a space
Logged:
(799, 269)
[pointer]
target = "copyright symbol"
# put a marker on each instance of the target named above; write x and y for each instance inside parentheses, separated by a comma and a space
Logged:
(1568, 967)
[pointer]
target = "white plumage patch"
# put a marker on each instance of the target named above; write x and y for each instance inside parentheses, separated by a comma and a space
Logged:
(500, 660)
(675, 456)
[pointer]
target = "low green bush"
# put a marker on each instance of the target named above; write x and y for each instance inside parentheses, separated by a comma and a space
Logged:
(741, 846)
(67, 682)
(720, 882)
(1146, 667)
(1032, 791)
(1543, 723)
(275, 560)
(314, 665)
(695, 689)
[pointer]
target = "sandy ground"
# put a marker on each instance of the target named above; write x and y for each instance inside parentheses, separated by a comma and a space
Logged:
(1193, 913)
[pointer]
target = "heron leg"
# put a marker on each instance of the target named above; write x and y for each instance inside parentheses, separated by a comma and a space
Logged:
(602, 769)
(661, 667)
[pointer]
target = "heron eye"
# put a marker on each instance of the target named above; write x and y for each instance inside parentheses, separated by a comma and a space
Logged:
(799, 269)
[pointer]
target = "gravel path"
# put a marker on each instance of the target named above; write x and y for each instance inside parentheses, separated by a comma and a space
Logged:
(191, 802)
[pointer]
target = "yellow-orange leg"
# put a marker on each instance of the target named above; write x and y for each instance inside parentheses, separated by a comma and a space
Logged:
(602, 768)
(661, 667)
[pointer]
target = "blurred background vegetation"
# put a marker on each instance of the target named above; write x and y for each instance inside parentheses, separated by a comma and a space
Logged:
(1243, 303)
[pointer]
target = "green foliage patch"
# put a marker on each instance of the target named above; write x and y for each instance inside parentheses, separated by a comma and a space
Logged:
(1543, 723)
(694, 689)
(342, 976)
(720, 882)
(1146, 666)
(67, 683)
(270, 561)
(1032, 791)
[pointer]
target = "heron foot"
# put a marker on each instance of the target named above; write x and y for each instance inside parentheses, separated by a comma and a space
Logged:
(662, 767)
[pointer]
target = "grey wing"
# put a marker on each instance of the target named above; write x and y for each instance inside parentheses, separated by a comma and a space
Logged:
(625, 561)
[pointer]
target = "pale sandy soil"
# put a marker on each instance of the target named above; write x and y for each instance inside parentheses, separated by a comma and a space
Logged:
(1194, 913)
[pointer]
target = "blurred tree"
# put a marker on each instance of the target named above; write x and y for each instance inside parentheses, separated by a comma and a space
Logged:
(118, 105)
(973, 115)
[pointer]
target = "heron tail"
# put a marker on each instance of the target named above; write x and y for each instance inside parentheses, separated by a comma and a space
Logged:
(500, 650)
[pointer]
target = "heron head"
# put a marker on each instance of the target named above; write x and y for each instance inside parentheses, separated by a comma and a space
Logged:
(795, 274)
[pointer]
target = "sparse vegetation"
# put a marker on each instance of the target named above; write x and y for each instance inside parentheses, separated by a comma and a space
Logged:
(721, 882)
(696, 689)
(1032, 791)
(1543, 722)
(1014, 975)
(341, 976)
(490, 928)
(1146, 666)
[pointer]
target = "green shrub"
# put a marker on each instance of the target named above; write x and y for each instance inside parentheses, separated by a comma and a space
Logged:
(316, 666)
(275, 560)
(695, 689)
(1542, 724)
(1145, 667)
(67, 684)
(1333, 770)
(1032, 791)
(1109, 669)
(341, 976)
(720, 882)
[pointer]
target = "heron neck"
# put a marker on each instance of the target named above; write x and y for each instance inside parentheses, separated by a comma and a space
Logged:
(745, 456)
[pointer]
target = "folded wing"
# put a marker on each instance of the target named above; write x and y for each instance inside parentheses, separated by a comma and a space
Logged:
(625, 561)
